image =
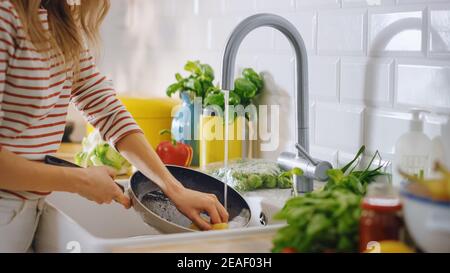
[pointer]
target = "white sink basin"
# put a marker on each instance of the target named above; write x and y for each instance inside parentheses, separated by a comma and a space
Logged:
(70, 223)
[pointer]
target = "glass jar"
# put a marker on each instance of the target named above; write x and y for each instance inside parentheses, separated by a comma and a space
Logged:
(380, 218)
(185, 124)
(212, 134)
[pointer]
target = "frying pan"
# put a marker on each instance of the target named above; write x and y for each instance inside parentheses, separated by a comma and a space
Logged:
(158, 211)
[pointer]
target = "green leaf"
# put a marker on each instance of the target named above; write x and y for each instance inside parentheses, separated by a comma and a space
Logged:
(200, 83)
(360, 152)
(299, 214)
(193, 67)
(178, 77)
(335, 175)
(194, 85)
(254, 77)
(345, 244)
(172, 89)
(234, 99)
(286, 237)
(291, 173)
(215, 99)
(211, 89)
(245, 88)
(207, 72)
(284, 182)
(317, 224)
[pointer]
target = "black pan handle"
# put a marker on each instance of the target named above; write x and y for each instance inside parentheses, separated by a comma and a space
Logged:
(54, 161)
(51, 160)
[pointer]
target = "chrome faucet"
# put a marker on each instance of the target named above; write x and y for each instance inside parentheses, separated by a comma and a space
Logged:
(314, 169)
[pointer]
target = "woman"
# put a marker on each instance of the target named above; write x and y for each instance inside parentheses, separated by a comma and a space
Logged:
(45, 64)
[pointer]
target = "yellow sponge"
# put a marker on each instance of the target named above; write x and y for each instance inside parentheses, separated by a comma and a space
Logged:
(221, 226)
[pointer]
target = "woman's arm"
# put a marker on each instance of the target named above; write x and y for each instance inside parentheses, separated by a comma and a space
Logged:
(19, 174)
(138, 151)
(95, 184)
(95, 97)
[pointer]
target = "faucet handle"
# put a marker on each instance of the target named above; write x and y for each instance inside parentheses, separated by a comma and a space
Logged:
(306, 155)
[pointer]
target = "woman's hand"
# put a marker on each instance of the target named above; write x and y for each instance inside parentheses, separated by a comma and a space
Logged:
(192, 203)
(97, 184)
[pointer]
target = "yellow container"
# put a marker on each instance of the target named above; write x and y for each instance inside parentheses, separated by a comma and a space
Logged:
(212, 135)
(152, 115)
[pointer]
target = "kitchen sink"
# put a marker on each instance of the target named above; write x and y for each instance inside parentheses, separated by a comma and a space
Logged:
(71, 223)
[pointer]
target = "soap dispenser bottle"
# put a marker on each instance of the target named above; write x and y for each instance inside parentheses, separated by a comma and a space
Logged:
(413, 151)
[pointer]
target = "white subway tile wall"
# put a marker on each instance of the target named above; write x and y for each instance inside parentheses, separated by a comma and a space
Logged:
(318, 3)
(365, 3)
(270, 5)
(371, 61)
(341, 32)
(396, 31)
(339, 125)
(439, 34)
(367, 81)
(306, 23)
(424, 83)
(324, 78)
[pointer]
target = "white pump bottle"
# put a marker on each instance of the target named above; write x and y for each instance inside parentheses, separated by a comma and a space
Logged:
(413, 151)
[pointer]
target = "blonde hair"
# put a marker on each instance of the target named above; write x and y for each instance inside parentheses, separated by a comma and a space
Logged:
(72, 26)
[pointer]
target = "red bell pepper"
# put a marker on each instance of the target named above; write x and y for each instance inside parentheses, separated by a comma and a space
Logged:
(174, 153)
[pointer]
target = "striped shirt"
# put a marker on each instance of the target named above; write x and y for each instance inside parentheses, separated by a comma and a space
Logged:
(35, 92)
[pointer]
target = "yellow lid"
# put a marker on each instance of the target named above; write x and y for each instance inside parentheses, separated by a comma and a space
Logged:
(149, 107)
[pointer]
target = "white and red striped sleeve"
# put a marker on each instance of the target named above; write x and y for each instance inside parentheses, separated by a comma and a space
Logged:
(95, 97)
(7, 49)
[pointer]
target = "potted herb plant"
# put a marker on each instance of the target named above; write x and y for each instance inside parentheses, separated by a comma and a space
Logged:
(199, 83)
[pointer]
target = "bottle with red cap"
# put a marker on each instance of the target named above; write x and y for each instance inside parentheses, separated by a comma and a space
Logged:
(380, 218)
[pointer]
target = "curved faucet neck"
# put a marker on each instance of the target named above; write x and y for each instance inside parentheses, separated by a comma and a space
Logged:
(296, 40)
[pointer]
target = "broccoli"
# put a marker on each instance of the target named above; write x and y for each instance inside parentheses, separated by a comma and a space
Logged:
(255, 181)
(97, 152)
(81, 158)
(270, 182)
(249, 175)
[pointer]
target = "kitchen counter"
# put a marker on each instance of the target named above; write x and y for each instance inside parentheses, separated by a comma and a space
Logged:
(251, 240)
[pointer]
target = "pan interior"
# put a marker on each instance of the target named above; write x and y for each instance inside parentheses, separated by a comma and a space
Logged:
(155, 200)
